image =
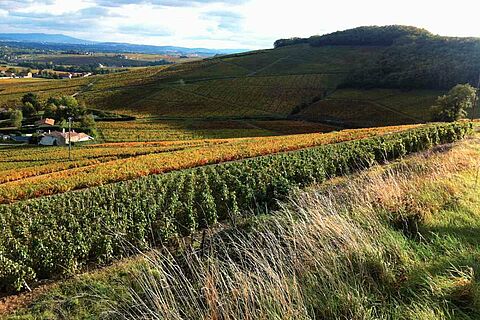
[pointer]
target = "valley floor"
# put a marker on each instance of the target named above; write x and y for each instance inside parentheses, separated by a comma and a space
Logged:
(399, 241)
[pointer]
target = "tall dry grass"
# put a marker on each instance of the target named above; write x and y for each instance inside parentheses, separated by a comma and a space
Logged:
(329, 253)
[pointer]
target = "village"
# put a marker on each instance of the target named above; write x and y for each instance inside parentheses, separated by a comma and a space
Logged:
(28, 74)
(45, 136)
(55, 122)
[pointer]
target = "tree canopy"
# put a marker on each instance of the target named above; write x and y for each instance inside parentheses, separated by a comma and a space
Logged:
(31, 98)
(454, 105)
(361, 36)
(16, 118)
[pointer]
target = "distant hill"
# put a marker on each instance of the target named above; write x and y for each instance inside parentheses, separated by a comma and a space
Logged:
(412, 58)
(42, 38)
(369, 76)
(361, 36)
(64, 43)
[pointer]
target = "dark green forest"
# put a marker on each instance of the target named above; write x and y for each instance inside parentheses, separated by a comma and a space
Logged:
(412, 58)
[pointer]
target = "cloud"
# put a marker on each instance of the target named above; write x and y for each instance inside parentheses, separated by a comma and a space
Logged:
(225, 20)
(167, 3)
(226, 23)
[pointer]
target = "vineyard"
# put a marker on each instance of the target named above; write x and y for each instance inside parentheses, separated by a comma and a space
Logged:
(239, 97)
(57, 235)
(260, 84)
(40, 172)
(13, 90)
(374, 107)
(157, 130)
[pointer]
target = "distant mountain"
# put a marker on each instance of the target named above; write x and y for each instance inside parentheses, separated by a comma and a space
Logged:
(64, 43)
(42, 38)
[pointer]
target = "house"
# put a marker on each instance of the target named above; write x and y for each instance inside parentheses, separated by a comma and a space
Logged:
(26, 75)
(9, 74)
(45, 122)
(66, 76)
(57, 138)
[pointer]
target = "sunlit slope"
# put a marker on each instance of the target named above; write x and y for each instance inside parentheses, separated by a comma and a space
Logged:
(269, 83)
(298, 80)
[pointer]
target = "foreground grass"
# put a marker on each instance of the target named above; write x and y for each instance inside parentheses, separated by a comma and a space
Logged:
(395, 242)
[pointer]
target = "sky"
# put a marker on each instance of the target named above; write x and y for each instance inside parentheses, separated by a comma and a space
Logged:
(236, 24)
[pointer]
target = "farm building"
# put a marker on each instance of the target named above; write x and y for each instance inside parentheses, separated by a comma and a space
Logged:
(45, 122)
(66, 76)
(25, 75)
(9, 74)
(57, 138)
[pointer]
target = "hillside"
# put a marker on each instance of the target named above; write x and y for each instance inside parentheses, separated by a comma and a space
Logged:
(399, 241)
(166, 213)
(309, 79)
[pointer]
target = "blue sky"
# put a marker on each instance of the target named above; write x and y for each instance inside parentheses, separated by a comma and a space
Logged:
(247, 24)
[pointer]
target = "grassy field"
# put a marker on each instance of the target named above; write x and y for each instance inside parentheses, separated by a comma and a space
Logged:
(394, 242)
(36, 171)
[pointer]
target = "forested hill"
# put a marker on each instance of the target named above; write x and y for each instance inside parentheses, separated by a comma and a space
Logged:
(412, 58)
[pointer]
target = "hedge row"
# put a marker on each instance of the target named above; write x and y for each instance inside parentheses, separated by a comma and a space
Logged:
(56, 235)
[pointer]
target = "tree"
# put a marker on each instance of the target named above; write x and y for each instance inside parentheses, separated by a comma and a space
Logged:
(88, 121)
(66, 106)
(69, 101)
(454, 105)
(16, 118)
(88, 124)
(28, 109)
(50, 111)
(32, 98)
